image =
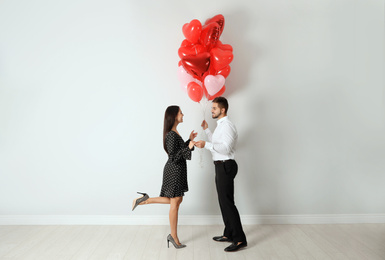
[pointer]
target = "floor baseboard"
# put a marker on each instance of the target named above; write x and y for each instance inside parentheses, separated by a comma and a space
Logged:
(186, 219)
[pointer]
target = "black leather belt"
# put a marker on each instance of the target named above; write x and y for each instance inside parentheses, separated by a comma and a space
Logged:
(222, 161)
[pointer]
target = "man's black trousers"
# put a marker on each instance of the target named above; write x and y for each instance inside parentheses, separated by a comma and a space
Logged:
(225, 173)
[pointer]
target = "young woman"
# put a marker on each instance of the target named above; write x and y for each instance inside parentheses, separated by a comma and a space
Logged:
(175, 171)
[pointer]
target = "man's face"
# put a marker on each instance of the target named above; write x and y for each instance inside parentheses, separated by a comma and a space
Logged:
(215, 110)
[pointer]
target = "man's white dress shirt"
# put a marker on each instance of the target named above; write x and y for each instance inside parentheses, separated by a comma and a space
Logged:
(222, 142)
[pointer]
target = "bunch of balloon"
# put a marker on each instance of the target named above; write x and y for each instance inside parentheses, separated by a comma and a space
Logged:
(204, 64)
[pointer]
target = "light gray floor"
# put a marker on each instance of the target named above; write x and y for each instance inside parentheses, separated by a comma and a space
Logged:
(349, 241)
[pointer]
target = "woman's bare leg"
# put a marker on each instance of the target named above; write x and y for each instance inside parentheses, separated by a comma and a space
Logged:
(158, 200)
(173, 215)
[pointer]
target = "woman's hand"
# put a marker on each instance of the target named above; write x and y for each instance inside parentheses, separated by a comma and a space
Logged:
(193, 135)
(191, 145)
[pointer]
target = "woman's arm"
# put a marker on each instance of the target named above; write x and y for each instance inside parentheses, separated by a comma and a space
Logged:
(176, 152)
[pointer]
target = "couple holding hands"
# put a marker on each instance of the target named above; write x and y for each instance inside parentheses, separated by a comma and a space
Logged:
(221, 144)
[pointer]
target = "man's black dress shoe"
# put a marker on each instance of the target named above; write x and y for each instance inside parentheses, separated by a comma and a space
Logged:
(222, 239)
(234, 247)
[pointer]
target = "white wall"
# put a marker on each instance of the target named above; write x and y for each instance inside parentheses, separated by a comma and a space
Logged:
(84, 86)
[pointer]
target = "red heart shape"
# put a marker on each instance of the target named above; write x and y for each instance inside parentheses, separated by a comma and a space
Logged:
(220, 20)
(192, 31)
(185, 43)
(210, 35)
(196, 65)
(224, 71)
(220, 58)
(192, 49)
(225, 47)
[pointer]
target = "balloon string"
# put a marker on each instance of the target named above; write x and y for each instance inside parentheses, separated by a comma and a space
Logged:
(203, 105)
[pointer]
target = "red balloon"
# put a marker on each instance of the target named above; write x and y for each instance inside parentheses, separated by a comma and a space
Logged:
(185, 43)
(194, 91)
(220, 58)
(224, 71)
(192, 49)
(196, 65)
(225, 47)
(220, 20)
(210, 35)
(192, 31)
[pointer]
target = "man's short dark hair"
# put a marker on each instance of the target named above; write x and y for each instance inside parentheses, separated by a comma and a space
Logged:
(222, 103)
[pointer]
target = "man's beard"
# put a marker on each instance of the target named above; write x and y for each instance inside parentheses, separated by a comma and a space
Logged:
(215, 117)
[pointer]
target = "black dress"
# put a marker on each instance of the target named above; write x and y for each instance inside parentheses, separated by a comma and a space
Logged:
(175, 170)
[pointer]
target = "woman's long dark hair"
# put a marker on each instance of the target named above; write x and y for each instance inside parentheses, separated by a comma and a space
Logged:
(169, 121)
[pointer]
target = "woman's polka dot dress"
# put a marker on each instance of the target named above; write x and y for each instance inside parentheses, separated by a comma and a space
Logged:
(175, 170)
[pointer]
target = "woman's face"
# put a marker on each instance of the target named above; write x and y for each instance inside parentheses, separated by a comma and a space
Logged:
(179, 117)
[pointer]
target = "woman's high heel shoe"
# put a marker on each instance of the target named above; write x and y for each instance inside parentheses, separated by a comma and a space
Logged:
(139, 200)
(171, 239)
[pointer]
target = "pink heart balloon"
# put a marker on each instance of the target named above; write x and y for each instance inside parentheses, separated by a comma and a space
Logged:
(214, 84)
(186, 78)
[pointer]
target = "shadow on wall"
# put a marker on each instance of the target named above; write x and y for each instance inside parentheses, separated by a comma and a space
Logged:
(237, 24)
(260, 151)
(259, 145)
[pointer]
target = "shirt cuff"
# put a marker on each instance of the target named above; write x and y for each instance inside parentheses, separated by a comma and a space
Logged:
(209, 146)
(207, 130)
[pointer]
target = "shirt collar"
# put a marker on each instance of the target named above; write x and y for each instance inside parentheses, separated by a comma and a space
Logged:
(222, 119)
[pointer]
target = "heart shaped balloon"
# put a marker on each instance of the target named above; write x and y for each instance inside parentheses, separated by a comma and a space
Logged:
(192, 31)
(224, 71)
(220, 20)
(225, 47)
(194, 91)
(205, 60)
(214, 83)
(186, 78)
(220, 93)
(196, 65)
(185, 43)
(210, 35)
(220, 58)
(192, 49)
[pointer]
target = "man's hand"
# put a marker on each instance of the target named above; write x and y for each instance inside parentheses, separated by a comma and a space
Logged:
(204, 125)
(200, 144)
(193, 135)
